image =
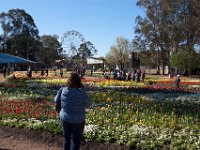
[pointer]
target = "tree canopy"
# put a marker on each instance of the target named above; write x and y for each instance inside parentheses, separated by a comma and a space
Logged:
(20, 33)
(21, 37)
(185, 59)
(18, 22)
(119, 53)
(51, 49)
(169, 26)
(86, 50)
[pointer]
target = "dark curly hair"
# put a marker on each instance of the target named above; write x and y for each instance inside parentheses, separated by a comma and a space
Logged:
(74, 81)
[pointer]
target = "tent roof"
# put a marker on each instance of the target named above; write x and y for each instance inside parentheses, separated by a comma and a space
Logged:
(7, 58)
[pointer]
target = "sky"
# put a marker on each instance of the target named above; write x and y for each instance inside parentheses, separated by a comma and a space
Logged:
(99, 21)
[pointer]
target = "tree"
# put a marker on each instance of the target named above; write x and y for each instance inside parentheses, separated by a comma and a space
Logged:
(110, 60)
(51, 49)
(23, 46)
(185, 59)
(150, 31)
(19, 33)
(119, 52)
(86, 50)
(2, 44)
(168, 27)
(147, 58)
(17, 22)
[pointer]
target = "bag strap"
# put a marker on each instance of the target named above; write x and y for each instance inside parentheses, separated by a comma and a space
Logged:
(60, 91)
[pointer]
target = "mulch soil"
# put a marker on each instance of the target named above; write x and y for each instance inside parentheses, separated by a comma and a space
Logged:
(12, 138)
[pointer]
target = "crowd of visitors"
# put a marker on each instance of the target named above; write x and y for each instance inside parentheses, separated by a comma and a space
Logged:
(77, 69)
(136, 75)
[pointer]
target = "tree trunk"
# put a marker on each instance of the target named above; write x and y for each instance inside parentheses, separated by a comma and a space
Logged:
(169, 69)
(163, 69)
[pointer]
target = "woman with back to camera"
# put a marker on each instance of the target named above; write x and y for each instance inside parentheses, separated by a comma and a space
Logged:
(74, 100)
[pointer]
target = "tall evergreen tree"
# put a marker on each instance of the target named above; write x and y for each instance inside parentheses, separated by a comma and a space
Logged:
(86, 50)
(51, 49)
(19, 32)
(168, 27)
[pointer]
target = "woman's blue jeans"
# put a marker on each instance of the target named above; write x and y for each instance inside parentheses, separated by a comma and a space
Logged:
(72, 133)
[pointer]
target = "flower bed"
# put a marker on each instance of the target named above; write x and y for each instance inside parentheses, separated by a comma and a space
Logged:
(120, 117)
(150, 115)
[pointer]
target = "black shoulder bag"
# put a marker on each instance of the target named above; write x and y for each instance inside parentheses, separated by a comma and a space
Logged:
(58, 105)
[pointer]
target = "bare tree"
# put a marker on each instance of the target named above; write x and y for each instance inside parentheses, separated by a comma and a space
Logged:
(118, 53)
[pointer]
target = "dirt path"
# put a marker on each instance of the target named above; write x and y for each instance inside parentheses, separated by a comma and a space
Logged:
(20, 139)
(23, 139)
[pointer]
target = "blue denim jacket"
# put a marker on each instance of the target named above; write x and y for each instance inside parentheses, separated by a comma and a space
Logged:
(73, 103)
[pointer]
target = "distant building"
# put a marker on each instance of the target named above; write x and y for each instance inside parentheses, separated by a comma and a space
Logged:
(95, 61)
